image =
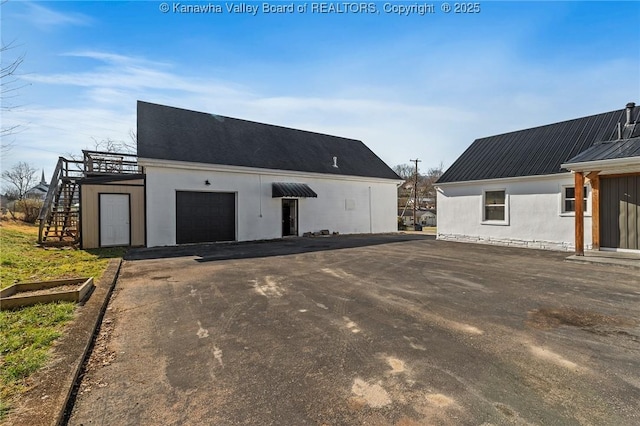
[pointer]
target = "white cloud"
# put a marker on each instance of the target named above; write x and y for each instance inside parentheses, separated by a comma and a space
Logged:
(61, 130)
(44, 17)
(119, 72)
(113, 58)
(463, 103)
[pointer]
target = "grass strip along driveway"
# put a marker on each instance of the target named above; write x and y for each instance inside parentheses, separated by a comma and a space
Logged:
(26, 334)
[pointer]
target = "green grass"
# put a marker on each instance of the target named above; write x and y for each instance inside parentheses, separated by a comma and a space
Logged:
(25, 338)
(26, 334)
(21, 260)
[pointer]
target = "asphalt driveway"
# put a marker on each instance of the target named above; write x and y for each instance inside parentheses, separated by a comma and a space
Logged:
(380, 330)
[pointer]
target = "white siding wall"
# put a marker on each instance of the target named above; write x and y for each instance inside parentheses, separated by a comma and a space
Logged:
(535, 217)
(371, 205)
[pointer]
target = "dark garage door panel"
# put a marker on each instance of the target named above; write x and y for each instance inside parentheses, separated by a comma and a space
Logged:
(203, 217)
(620, 212)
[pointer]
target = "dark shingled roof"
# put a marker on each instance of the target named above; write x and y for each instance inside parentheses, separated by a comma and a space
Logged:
(169, 133)
(624, 148)
(537, 151)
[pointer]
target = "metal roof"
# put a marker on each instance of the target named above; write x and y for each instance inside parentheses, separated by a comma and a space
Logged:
(169, 133)
(287, 189)
(624, 148)
(537, 151)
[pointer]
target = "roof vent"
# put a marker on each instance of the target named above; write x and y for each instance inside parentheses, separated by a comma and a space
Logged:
(335, 162)
(619, 130)
(630, 107)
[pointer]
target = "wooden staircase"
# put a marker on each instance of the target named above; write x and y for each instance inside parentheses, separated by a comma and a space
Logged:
(60, 213)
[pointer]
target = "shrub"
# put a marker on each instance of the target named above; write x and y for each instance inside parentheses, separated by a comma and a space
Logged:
(30, 208)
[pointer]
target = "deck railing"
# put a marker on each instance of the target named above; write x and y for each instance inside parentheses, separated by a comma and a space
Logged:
(109, 163)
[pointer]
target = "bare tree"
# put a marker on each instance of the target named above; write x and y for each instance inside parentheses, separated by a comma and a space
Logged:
(112, 145)
(9, 86)
(105, 145)
(21, 177)
(428, 180)
(405, 171)
(405, 191)
(133, 135)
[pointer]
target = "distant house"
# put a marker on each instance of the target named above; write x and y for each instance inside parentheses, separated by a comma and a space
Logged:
(428, 218)
(563, 186)
(423, 217)
(406, 215)
(39, 191)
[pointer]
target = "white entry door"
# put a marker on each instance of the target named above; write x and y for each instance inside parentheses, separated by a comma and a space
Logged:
(114, 220)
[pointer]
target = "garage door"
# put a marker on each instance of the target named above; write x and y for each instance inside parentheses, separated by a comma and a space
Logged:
(203, 217)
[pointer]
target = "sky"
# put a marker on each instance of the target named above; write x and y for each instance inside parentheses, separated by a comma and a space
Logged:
(408, 84)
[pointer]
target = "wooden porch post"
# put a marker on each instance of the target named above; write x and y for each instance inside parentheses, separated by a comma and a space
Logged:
(595, 210)
(579, 194)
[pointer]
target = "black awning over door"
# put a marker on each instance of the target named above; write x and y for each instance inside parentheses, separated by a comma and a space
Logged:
(285, 189)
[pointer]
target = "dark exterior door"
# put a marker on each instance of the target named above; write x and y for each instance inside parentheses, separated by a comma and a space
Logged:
(620, 212)
(203, 217)
(289, 217)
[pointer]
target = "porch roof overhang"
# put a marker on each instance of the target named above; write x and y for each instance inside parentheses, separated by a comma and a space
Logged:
(622, 156)
(289, 189)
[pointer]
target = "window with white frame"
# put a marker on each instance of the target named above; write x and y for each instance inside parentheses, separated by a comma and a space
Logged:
(495, 206)
(569, 199)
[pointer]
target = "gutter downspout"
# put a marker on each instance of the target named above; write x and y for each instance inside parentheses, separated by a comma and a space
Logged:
(260, 193)
(370, 214)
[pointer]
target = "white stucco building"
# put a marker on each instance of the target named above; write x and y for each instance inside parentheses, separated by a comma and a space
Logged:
(531, 212)
(522, 189)
(348, 205)
(212, 178)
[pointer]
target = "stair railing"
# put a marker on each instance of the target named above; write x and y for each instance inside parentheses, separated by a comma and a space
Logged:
(62, 172)
(47, 206)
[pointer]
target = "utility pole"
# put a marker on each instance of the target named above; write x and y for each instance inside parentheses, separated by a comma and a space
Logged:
(415, 192)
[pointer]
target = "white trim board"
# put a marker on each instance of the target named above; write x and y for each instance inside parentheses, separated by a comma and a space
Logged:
(497, 181)
(150, 162)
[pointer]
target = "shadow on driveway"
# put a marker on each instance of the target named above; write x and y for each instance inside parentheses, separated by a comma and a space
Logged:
(257, 249)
